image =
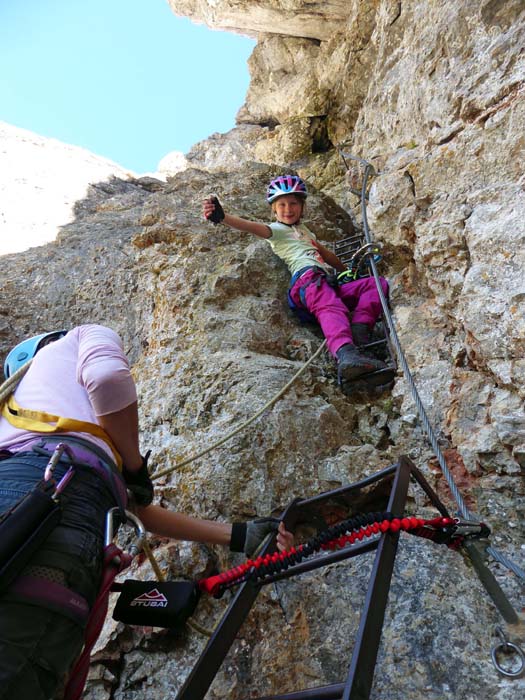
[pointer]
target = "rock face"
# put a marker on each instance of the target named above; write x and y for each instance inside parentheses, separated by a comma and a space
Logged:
(431, 94)
(40, 180)
(316, 20)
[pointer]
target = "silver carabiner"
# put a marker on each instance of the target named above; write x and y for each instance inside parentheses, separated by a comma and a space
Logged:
(508, 648)
(55, 459)
(469, 527)
(131, 518)
(50, 468)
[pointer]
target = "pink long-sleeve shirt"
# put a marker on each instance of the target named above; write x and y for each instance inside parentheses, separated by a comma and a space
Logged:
(83, 375)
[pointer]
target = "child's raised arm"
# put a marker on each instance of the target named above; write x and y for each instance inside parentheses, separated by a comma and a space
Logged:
(209, 206)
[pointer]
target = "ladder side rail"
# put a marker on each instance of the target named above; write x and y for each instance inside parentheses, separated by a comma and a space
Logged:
(361, 673)
(205, 669)
(344, 490)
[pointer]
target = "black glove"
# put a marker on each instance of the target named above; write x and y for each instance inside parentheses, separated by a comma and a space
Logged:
(217, 214)
(247, 537)
(139, 482)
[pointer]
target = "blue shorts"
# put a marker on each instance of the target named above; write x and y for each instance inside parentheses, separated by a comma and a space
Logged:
(37, 642)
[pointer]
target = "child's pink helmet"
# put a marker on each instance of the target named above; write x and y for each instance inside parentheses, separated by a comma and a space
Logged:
(285, 184)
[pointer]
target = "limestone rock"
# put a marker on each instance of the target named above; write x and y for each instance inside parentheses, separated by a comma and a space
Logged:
(431, 94)
(317, 20)
(173, 163)
(282, 80)
(227, 152)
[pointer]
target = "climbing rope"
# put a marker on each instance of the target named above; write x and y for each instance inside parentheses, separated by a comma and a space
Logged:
(10, 384)
(246, 423)
(442, 530)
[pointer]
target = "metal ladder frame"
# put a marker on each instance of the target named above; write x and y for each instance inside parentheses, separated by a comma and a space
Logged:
(359, 679)
(383, 379)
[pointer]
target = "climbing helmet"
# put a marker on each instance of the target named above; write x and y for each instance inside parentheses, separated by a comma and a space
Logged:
(285, 184)
(27, 349)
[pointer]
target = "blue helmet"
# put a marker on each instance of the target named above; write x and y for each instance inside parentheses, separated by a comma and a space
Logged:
(27, 349)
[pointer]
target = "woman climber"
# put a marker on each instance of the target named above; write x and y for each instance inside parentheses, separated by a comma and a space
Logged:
(311, 287)
(82, 374)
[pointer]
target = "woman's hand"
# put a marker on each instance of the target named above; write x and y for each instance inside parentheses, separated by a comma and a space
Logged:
(285, 539)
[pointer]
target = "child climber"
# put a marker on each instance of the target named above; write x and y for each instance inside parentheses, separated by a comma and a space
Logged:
(310, 265)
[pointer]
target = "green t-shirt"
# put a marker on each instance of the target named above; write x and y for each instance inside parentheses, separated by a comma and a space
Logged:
(293, 244)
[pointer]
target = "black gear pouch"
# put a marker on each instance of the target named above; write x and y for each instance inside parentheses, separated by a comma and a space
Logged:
(24, 528)
(154, 603)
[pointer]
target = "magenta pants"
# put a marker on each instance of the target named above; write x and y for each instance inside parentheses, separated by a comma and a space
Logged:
(333, 308)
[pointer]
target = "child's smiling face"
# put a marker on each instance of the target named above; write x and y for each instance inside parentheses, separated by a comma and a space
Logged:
(288, 209)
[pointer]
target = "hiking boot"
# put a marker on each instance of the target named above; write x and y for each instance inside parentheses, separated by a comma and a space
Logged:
(351, 363)
(360, 333)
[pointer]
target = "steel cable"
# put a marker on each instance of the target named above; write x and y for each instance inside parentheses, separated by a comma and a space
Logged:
(403, 362)
(464, 511)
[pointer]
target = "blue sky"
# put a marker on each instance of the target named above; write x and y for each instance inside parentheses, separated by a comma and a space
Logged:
(126, 79)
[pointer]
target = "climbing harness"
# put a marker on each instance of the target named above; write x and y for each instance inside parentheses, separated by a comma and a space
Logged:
(25, 526)
(301, 311)
(42, 422)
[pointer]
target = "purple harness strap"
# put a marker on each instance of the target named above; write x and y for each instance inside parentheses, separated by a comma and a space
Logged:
(53, 596)
(115, 561)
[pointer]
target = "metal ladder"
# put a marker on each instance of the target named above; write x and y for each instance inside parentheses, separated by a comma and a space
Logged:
(388, 490)
(354, 252)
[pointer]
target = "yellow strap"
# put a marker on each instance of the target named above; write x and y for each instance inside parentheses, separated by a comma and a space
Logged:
(41, 422)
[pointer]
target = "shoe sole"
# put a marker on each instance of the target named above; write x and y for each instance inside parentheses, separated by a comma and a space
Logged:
(374, 383)
(352, 371)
